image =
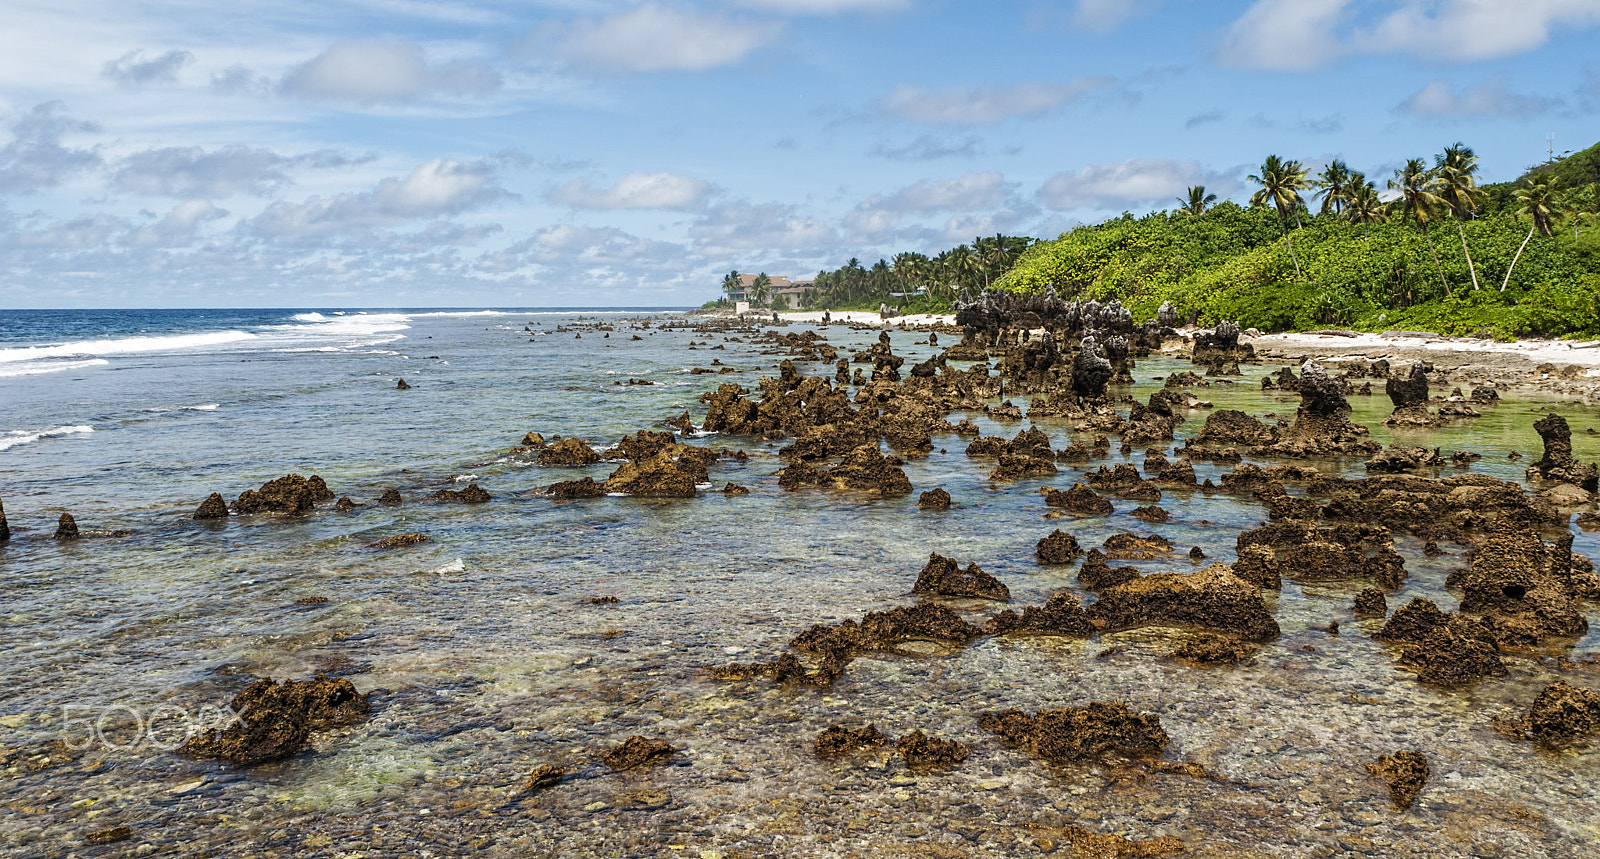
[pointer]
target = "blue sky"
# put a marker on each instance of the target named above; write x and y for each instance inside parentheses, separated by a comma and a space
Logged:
(588, 152)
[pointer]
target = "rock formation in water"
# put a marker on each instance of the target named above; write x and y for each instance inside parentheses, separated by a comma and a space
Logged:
(1322, 425)
(1079, 499)
(1058, 547)
(214, 507)
(1561, 714)
(637, 751)
(922, 752)
(275, 720)
(1406, 772)
(934, 499)
(5, 527)
(473, 494)
(66, 528)
(942, 576)
(1410, 398)
(838, 740)
(1558, 464)
(1070, 734)
(1213, 599)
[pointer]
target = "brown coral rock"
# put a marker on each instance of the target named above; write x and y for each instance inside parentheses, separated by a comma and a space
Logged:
(1079, 499)
(473, 494)
(1560, 714)
(1058, 547)
(924, 752)
(1079, 733)
(1406, 772)
(1213, 598)
(568, 451)
(636, 751)
(942, 576)
(275, 720)
(934, 499)
(214, 507)
(837, 741)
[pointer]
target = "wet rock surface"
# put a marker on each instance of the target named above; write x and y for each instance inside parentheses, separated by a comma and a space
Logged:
(1406, 772)
(1079, 499)
(544, 777)
(214, 507)
(1058, 547)
(637, 751)
(66, 528)
(934, 499)
(1524, 584)
(290, 494)
(839, 740)
(567, 452)
(1061, 616)
(1560, 715)
(921, 751)
(1558, 463)
(473, 494)
(1410, 398)
(5, 527)
(570, 489)
(944, 577)
(1095, 731)
(1215, 650)
(398, 541)
(1213, 598)
(276, 720)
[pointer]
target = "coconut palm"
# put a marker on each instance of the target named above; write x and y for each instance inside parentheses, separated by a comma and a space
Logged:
(732, 282)
(1335, 186)
(1419, 204)
(1362, 205)
(1456, 169)
(1541, 205)
(1281, 183)
(1197, 202)
(761, 289)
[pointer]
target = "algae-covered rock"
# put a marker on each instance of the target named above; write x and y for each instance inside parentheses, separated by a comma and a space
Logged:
(934, 499)
(473, 494)
(1079, 499)
(1058, 547)
(944, 577)
(1061, 616)
(838, 740)
(1208, 649)
(924, 752)
(1406, 772)
(1213, 598)
(567, 452)
(1079, 733)
(275, 720)
(637, 751)
(1561, 714)
(214, 507)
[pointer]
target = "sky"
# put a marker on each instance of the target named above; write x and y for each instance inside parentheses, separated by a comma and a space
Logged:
(562, 153)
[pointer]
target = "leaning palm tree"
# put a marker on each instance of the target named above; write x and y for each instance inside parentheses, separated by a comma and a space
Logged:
(1281, 183)
(1457, 170)
(732, 282)
(1541, 205)
(1335, 186)
(1197, 202)
(1419, 204)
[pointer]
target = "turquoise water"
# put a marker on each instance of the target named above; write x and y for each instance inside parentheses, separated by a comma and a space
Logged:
(492, 659)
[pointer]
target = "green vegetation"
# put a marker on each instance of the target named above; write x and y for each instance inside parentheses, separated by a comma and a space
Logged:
(913, 282)
(1359, 262)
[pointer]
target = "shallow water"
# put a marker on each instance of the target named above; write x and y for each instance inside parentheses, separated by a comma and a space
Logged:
(492, 660)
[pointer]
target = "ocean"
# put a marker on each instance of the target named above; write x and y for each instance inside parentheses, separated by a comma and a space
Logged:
(490, 655)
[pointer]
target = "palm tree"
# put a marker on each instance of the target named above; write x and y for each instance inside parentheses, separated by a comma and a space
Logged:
(1335, 186)
(1362, 205)
(761, 289)
(1197, 202)
(732, 282)
(1281, 183)
(1540, 204)
(1419, 204)
(1456, 170)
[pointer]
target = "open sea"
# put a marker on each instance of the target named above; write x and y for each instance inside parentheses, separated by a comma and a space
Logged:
(491, 657)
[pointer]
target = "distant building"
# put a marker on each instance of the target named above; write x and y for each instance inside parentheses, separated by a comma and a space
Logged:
(789, 289)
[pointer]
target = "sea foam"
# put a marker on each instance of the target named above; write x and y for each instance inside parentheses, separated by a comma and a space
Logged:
(17, 438)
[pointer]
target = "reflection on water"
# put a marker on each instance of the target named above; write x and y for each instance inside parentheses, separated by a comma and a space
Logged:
(491, 658)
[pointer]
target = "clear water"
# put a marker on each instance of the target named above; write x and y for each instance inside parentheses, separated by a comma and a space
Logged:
(492, 659)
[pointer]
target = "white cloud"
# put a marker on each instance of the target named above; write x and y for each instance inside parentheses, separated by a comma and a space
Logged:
(179, 227)
(192, 172)
(368, 72)
(240, 80)
(133, 70)
(825, 7)
(1129, 184)
(971, 192)
(986, 105)
(1477, 29)
(635, 191)
(1492, 98)
(654, 37)
(1103, 16)
(1285, 35)
(929, 147)
(36, 158)
(439, 187)
(86, 232)
(740, 226)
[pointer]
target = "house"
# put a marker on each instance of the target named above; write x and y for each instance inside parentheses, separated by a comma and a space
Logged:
(789, 289)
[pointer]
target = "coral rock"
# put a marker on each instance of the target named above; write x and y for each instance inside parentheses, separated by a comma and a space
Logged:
(944, 577)
(275, 720)
(1079, 499)
(637, 751)
(1406, 773)
(1560, 715)
(214, 507)
(1079, 733)
(838, 741)
(934, 499)
(66, 528)
(1213, 598)
(1058, 548)
(924, 752)
(473, 494)
(568, 451)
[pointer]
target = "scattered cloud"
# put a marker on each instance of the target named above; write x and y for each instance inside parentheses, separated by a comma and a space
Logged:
(36, 158)
(880, 214)
(133, 70)
(987, 105)
(368, 72)
(179, 227)
(1331, 124)
(1285, 35)
(653, 37)
(1492, 98)
(437, 188)
(1206, 118)
(83, 233)
(635, 191)
(190, 171)
(1104, 16)
(1130, 184)
(825, 7)
(739, 227)
(1467, 30)
(239, 80)
(930, 147)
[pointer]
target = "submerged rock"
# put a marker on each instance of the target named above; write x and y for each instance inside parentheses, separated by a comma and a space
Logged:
(399, 540)
(345, 505)
(1073, 734)
(1460, 650)
(636, 751)
(1096, 574)
(1128, 547)
(885, 631)
(934, 499)
(1061, 615)
(291, 494)
(1560, 715)
(1213, 598)
(473, 494)
(544, 777)
(390, 497)
(275, 720)
(214, 507)
(1058, 547)
(944, 577)
(924, 752)
(837, 741)
(1394, 459)
(1406, 772)
(1371, 603)
(733, 489)
(1210, 649)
